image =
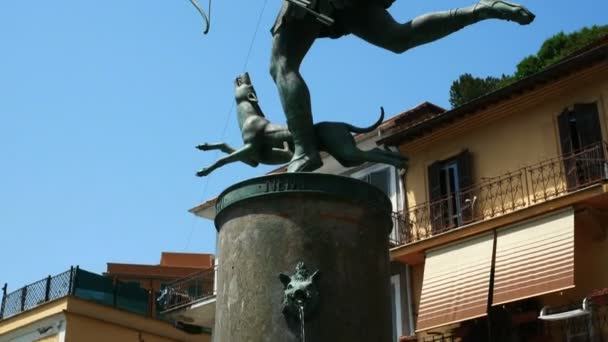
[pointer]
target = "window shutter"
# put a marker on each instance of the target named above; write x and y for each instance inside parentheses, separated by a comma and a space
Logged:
(590, 162)
(463, 161)
(435, 212)
(565, 139)
(434, 181)
(588, 123)
(465, 180)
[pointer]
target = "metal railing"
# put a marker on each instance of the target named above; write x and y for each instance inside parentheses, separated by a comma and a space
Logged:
(592, 327)
(558, 176)
(501, 195)
(35, 294)
(79, 283)
(183, 291)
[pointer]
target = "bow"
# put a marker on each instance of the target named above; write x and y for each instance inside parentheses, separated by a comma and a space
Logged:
(206, 18)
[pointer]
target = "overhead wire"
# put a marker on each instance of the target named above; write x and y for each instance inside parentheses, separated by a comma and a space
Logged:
(228, 116)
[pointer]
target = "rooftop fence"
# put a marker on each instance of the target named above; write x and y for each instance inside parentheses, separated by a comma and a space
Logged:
(79, 283)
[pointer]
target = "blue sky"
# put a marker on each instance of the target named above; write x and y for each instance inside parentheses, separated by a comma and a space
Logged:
(102, 103)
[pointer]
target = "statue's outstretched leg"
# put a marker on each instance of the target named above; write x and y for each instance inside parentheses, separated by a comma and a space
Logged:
(290, 44)
(375, 25)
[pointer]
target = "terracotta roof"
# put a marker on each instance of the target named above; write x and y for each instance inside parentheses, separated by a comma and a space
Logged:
(208, 203)
(170, 264)
(421, 112)
(592, 54)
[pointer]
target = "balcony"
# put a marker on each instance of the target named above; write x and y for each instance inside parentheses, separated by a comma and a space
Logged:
(191, 300)
(497, 196)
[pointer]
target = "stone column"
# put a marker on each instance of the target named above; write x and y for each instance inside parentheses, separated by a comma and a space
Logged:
(337, 225)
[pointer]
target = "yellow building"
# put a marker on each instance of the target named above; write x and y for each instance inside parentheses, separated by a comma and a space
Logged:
(78, 306)
(506, 210)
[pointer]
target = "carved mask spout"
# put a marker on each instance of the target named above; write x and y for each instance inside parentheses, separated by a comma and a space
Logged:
(301, 293)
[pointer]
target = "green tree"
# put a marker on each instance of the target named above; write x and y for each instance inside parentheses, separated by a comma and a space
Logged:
(467, 87)
(554, 49)
(557, 48)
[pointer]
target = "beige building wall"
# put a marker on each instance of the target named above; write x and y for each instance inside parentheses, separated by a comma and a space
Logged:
(93, 330)
(75, 320)
(504, 138)
(44, 321)
(91, 322)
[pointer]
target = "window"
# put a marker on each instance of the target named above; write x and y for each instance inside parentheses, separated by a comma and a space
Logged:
(386, 179)
(379, 178)
(448, 183)
(400, 302)
(581, 142)
(395, 306)
(449, 193)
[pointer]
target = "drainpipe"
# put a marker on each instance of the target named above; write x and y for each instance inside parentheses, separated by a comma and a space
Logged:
(402, 205)
(402, 176)
(409, 281)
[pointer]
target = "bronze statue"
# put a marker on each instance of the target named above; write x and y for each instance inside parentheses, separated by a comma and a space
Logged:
(268, 143)
(298, 25)
(301, 22)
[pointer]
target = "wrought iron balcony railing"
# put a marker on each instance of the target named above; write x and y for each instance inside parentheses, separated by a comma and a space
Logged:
(501, 195)
(38, 293)
(184, 291)
(79, 283)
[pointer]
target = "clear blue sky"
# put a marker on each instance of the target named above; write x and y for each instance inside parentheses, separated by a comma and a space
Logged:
(102, 103)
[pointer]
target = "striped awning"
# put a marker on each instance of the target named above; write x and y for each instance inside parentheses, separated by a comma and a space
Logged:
(456, 282)
(534, 258)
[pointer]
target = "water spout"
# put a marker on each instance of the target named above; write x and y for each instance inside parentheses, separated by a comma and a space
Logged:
(300, 298)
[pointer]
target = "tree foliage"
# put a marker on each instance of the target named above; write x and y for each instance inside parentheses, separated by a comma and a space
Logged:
(554, 49)
(467, 87)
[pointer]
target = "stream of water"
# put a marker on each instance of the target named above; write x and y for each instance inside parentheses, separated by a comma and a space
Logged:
(302, 327)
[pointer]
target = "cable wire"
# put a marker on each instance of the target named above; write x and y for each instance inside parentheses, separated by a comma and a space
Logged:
(228, 116)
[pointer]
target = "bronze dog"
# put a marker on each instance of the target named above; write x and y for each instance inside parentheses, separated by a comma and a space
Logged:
(268, 143)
